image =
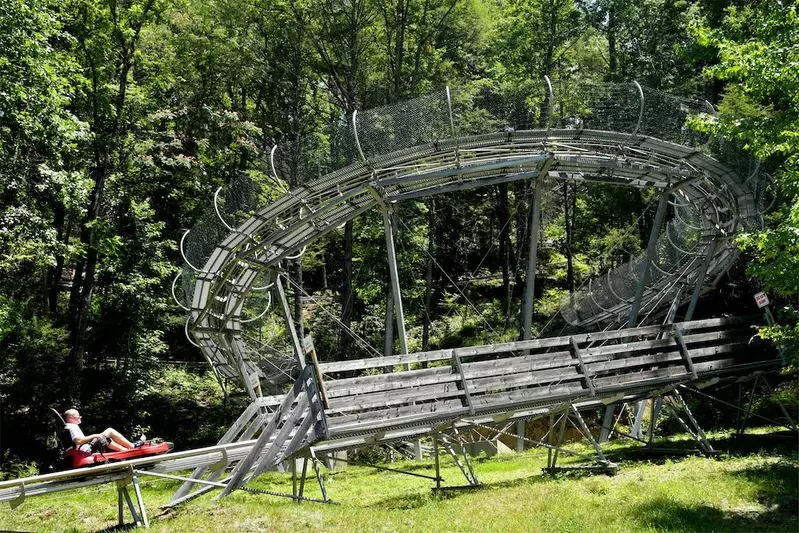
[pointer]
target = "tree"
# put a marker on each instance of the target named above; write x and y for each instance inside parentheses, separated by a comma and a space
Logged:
(758, 50)
(39, 195)
(107, 35)
(532, 37)
(38, 133)
(646, 40)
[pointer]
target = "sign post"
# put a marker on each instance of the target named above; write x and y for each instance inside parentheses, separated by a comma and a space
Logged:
(762, 301)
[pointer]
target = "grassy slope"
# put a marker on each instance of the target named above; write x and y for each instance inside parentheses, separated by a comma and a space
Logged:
(746, 493)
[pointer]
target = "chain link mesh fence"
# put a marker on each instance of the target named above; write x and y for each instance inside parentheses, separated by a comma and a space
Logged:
(524, 113)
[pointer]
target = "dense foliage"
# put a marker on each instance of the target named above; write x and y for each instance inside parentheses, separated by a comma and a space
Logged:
(120, 118)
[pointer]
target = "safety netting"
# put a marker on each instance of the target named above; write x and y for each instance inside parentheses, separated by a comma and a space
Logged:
(425, 129)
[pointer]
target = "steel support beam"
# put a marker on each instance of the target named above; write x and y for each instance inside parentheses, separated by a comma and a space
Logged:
(660, 215)
(640, 407)
(607, 423)
(520, 430)
(690, 416)
(583, 427)
(700, 279)
(437, 461)
(782, 407)
(532, 255)
(319, 477)
(140, 500)
(389, 229)
(124, 494)
(296, 343)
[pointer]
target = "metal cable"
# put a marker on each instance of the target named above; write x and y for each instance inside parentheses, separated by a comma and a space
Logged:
(348, 330)
(469, 302)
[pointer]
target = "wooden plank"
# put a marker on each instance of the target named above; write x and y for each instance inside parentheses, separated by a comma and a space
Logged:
(640, 378)
(511, 399)
(590, 354)
(633, 364)
(390, 381)
(670, 357)
(413, 378)
(379, 362)
(674, 357)
(518, 346)
(523, 363)
(399, 388)
(481, 385)
(527, 397)
(316, 405)
(285, 409)
(444, 406)
(377, 429)
(238, 427)
(497, 383)
(522, 373)
(391, 398)
(295, 422)
(651, 330)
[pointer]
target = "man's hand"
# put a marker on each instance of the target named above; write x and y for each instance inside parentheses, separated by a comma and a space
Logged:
(85, 440)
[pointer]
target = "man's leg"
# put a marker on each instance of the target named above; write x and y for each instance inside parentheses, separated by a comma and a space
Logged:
(114, 447)
(117, 438)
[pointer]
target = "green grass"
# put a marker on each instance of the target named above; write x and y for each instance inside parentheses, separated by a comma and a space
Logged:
(754, 492)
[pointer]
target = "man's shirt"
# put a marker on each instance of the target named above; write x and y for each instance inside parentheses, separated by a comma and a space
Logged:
(74, 433)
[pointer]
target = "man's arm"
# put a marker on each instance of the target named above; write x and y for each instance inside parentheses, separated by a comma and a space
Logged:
(79, 441)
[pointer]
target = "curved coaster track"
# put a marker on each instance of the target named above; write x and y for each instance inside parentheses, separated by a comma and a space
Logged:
(624, 135)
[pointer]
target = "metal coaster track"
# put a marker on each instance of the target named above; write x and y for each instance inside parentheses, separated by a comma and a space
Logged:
(278, 230)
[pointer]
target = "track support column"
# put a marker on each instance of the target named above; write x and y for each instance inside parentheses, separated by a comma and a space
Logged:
(295, 340)
(140, 499)
(124, 495)
(532, 256)
(660, 215)
(389, 229)
(607, 423)
(700, 279)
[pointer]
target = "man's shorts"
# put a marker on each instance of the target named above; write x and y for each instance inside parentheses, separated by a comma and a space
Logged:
(99, 444)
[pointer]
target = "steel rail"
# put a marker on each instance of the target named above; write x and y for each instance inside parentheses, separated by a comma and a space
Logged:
(280, 229)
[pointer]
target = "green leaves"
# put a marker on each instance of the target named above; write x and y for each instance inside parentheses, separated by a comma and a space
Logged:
(758, 51)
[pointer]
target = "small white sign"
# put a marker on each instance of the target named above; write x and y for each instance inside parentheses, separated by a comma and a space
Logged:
(761, 299)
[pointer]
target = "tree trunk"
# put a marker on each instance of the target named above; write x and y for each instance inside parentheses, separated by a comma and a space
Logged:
(347, 294)
(612, 56)
(81, 295)
(324, 272)
(54, 272)
(503, 219)
(428, 285)
(570, 206)
(388, 344)
(399, 46)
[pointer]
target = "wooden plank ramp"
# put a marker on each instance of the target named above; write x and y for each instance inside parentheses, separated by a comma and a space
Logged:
(365, 398)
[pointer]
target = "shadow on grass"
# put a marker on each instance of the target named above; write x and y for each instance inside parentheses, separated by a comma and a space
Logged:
(415, 501)
(777, 487)
(125, 527)
(777, 493)
(780, 442)
(667, 515)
